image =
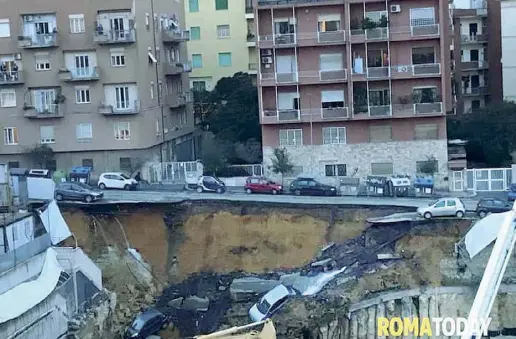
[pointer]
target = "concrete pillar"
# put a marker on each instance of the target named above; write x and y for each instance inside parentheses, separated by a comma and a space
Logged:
(423, 310)
(353, 326)
(495, 315)
(380, 313)
(371, 322)
(508, 305)
(433, 311)
(362, 324)
(448, 308)
(390, 310)
(407, 311)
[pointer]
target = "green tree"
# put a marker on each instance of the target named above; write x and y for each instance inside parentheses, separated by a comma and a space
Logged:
(214, 154)
(40, 155)
(489, 132)
(429, 167)
(281, 162)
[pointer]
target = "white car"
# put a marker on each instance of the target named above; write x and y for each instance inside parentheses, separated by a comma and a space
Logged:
(445, 207)
(271, 302)
(116, 180)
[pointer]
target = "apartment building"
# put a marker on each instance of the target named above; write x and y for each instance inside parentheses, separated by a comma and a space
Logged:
(355, 87)
(476, 46)
(222, 40)
(103, 83)
(508, 34)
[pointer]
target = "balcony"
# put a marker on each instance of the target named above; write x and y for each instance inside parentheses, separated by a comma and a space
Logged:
(286, 78)
(473, 91)
(473, 65)
(269, 3)
(333, 75)
(49, 111)
(252, 68)
(379, 33)
(334, 113)
(79, 74)
(331, 37)
(175, 35)
(426, 69)
(281, 115)
(177, 68)
(121, 108)
(38, 41)
(251, 40)
(175, 100)
(378, 72)
(380, 111)
(114, 37)
(428, 108)
(473, 39)
(12, 78)
(426, 30)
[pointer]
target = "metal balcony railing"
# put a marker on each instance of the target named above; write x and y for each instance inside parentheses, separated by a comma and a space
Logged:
(114, 36)
(474, 38)
(334, 112)
(289, 115)
(287, 77)
(38, 40)
(426, 69)
(331, 36)
(79, 74)
(380, 110)
(377, 33)
(120, 107)
(378, 72)
(12, 77)
(425, 30)
(175, 35)
(338, 74)
(427, 108)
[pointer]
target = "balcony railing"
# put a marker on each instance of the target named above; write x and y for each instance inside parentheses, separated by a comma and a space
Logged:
(426, 69)
(174, 100)
(114, 36)
(283, 114)
(333, 36)
(473, 38)
(177, 68)
(249, 9)
(426, 30)
(285, 39)
(473, 64)
(378, 72)
(286, 77)
(377, 33)
(481, 90)
(12, 78)
(42, 111)
(290, 2)
(121, 107)
(338, 74)
(79, 74)
(252, 66)
(334, 113)
(428, 108)
(38, 41)
(175, 35)
(380, 110)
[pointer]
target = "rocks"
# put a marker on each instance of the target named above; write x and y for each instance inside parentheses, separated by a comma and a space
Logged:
(176, 303)
(195, 303)
(131, 288)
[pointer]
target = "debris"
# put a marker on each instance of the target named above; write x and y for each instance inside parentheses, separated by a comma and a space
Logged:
(195, 303)
(325, 248)
(131, 289)
(243, 288)
(387, 256)
(176, 303)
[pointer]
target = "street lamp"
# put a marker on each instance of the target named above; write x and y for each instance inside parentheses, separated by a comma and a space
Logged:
(310, 112)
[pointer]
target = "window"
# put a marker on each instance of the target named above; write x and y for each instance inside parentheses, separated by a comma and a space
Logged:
(82, 95)
(223, 31)
(329, 23)
(117, 58)
(334, 135)
(122, 97)
(10, 136)
(338, 170)
(332, 99)
(291, 137)
(47, 134)
(425, 95)
(440, 203)
(199, 85)
(475, 105)
(288, 101)
(380, 133)
(379, 97)
(286, 64)
(330, 62)
(125, 164)
(77, 23)
(183, 118)
(427, 166)
(426, 132)
(122, 131)
(87, 163)
(224, 59)
(42, 61)
(193, 5)
(196, 60)
(382, 168)
(221, 4)
(422, 16)
(5, 28)
(451, 203)
(423, 55)
(8, 98)
(284, 26)
(195, 33)
(84, 131)
(13, 164)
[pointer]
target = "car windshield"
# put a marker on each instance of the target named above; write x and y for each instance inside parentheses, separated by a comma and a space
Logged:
(138, 324)
(264, 306)
(270, 182)
(124, 176)
(433, 202)
(84, 186)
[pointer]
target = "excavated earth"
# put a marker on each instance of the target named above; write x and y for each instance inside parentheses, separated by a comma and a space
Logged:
(195, 250)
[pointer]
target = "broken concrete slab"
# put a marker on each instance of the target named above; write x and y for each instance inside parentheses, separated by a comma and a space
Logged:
(195, 303)
(243, 288)
(387, 256)
(176, 303)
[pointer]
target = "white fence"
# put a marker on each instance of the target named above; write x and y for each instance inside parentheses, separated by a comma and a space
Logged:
(481, 180)
(174, 172)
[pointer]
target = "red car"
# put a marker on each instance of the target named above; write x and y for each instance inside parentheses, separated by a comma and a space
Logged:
(262, 185)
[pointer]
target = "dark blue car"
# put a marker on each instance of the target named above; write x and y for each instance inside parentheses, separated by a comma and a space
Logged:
(511, 196)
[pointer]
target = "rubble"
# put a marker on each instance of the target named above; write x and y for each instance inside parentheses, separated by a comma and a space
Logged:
(244, 288)
(195, 303)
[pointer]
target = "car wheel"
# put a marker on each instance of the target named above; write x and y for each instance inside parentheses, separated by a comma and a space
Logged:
(459, 214)
(88, 198)
(199, 190)
(248, 191)
(219, 190)
(127, 187)
(428, 215)
(297, 192)
(274, 192)
(482, 214)
(59, 197)
(102, 186)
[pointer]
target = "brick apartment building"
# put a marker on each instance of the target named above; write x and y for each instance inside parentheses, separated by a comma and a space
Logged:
(355, 87)
(101, 82)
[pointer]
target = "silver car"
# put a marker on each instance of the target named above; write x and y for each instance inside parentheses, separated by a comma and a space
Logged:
(445, 207)
(271, 302)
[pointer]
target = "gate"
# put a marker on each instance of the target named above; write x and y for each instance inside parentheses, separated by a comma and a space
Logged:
(484, 179)
(458, 181)
(175, 172)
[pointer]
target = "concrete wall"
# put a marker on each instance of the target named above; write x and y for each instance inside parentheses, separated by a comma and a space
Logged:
(22, 272)
(509, 49)
(26, 252)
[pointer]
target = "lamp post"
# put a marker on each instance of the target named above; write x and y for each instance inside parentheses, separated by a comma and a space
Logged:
(310, 112)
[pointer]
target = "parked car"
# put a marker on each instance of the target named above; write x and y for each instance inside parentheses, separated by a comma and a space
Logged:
(271, 302)
(117, 180)
(147, 323)
(262, 185)
(511, 196)
(310, 186)
(445, 207)
(210, 184)
(77, 191)
(492, 205)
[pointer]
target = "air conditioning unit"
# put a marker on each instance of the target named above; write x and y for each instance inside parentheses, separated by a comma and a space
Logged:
(395, 8)
(267, 52)
(403, 69)
(267, 65)
(28, 18)
(266, 60)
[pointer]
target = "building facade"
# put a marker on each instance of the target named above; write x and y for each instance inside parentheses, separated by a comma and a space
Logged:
(104, 84)
(508, 33)
(355, 87)
(222, 40)
(476, 46)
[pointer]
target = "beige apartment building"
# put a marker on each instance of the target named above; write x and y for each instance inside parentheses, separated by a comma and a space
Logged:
(355, 87)
(103, 83)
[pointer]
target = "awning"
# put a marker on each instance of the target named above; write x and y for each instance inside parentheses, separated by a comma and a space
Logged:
(152, 57)
(54, 223)
(483, 233)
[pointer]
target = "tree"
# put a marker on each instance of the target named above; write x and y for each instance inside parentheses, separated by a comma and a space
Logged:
(281, 162)
(214, 154)
(429, 167)
(489, 132)
(40, 155)
(249, 151)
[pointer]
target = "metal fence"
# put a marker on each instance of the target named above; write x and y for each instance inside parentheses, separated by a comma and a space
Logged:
(174, 172)
(482, 180)
(251, 170)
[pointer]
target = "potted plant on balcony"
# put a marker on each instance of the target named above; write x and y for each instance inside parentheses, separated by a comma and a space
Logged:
(383, 23)
(368, 23)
